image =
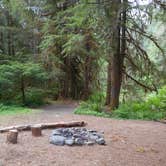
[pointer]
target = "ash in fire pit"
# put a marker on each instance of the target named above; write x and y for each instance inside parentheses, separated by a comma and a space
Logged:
(76, 136)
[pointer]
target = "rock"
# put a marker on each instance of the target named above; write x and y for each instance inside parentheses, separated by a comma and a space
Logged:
(93, 137)
(100, 141)
(56, 132)
(76, 136)
(90, 143)
(69, 142)
(84, 129)
(79, 141)
(57, 140)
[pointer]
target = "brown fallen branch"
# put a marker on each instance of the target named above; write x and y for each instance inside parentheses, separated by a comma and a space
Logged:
(43, 126)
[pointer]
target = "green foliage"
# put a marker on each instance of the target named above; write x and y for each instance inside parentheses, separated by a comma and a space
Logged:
(14, 74)
(153, 108)
(93, 106)
(73, 44)
(35, 97)
(13, 109)
(81, 111)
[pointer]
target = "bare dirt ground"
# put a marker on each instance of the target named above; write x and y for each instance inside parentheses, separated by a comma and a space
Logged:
(129, 142)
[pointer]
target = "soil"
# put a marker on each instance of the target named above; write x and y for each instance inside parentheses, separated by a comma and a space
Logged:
(129, 142)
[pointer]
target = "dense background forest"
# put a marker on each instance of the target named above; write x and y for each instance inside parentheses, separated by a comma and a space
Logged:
(110, 54)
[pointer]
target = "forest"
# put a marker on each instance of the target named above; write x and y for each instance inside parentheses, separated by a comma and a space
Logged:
(82, 82)
(108, 55)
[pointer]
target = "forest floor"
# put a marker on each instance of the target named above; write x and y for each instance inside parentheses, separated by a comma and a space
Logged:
(129, 142)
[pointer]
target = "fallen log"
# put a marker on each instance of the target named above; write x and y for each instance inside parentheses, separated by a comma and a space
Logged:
(43, 126)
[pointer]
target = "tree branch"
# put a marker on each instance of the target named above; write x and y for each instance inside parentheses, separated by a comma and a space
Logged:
(139, 83)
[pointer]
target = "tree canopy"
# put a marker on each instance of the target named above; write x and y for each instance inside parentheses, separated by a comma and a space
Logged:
(74, 48)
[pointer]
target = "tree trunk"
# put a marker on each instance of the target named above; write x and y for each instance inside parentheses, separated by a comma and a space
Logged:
(1, 42)
(86, 78)
(116, 77)
(36, 130)
(87, 69)
(118, 59)
(12, 44)
(115, 62)
(12, 136)
(108, 94)
(23, 90)
(10, 35)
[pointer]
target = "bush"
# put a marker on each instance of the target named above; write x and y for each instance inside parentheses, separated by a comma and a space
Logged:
(153, 108)
(93, 106)
(95, 102)
(34, 97)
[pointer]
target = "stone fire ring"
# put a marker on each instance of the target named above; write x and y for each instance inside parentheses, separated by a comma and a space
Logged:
(76, 136)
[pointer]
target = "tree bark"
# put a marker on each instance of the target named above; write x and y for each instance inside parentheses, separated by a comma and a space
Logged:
(116, 76)
(1, 42)
(36, 130)
(116, 62)
(86, 78)
(23, 90)
(12, 136)
(87, 69)
(108, 94)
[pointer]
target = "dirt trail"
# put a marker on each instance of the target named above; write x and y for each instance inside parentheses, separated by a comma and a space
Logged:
(59, 108)
(129, 142)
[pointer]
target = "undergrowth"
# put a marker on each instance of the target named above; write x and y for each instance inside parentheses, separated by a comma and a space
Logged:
(152, 108)
(93, 106)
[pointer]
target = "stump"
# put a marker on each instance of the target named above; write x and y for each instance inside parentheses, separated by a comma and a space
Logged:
(12, 136)
(36, 130)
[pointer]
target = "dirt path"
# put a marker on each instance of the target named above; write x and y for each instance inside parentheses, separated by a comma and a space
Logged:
(59, 108)
(129, 143)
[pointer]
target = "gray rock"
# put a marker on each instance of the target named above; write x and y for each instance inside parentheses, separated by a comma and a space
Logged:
(100, 141)
(84, 129)
(76, 136)
(69, 142)
(98, 135)
(93, 137)
(90, 143)
(56, 132)
(57, 140)
(79, 141)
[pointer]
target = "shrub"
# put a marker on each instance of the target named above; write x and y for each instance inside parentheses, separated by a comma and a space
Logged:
(93, 106)
(153, 108)
(34, 97)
